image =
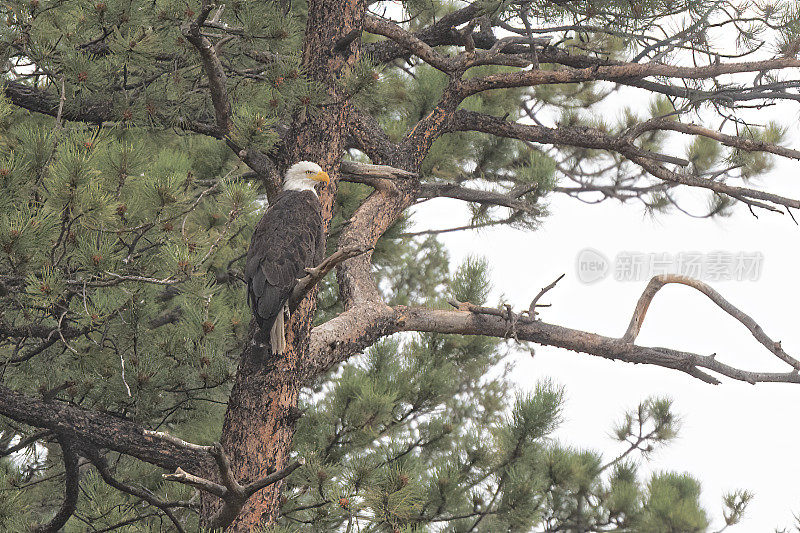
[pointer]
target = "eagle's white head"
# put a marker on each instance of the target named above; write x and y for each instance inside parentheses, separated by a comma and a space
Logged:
(304, 176)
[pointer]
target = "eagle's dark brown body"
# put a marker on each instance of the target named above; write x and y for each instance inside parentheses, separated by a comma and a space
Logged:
(288, 239)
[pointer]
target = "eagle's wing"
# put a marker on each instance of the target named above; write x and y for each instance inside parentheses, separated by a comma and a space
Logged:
(287, 240)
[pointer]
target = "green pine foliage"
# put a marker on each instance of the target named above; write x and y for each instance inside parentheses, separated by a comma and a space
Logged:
(123, 246)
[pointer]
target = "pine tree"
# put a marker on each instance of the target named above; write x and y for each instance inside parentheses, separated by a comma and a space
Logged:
(141, 142)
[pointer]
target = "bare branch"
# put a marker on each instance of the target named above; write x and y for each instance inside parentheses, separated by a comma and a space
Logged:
(534, 303)
(452, 190)
(259, 484)
(233, 494)
(197, 482)
(38, 100)
(381, 176)
(166, 437)
(317, 273)
(659, 281)
(376, 176)
(362, 325)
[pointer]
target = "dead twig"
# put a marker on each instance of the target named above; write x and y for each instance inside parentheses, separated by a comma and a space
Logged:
(534, 303)
(315, 274)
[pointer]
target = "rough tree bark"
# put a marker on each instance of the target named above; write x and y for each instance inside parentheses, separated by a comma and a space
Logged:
(259, 422)
(262, 410)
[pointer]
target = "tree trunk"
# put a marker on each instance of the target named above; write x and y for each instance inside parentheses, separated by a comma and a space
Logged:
(259, 423)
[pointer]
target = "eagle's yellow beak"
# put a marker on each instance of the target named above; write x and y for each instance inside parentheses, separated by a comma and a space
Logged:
(321, 176)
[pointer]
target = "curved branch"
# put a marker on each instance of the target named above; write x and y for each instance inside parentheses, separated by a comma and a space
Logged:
(660, 281)
(71, 489)
(101, 465)
(369, 137)
(410, 42)
(315, 274)
(394, 192)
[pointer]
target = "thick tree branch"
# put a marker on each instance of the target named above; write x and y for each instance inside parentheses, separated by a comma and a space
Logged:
(39, 331)
(441, 32)
(410, 42)
(376, 176)
(368, 136)
(394, 192)
(100, 429)
(39, 100)
(71, 489)
(361, 326)
(212, 66)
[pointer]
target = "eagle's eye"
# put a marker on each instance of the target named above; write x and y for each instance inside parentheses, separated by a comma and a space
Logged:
(309, 172)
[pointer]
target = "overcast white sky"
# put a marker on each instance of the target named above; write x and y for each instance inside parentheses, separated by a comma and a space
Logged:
(733, 435)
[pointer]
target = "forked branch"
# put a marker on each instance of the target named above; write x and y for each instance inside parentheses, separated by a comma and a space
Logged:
(233, 494)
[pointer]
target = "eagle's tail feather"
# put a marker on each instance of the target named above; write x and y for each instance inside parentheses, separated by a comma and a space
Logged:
(277, 336)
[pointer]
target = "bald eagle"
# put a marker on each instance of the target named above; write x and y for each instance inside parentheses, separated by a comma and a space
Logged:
(288, 239)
